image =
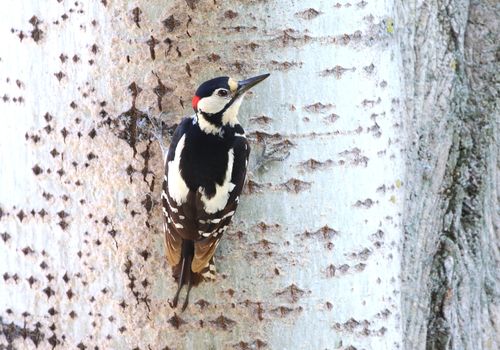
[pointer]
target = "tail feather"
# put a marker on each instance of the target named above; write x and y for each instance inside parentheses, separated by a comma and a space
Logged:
(187, 254)
(196, 278)
(183, 270)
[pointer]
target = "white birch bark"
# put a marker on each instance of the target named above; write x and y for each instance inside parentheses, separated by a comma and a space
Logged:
(313, 257)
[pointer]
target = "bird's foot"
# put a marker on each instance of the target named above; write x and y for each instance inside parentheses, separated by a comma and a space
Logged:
(160, 129)
(277, 154)
(186, 302)
(173, 304)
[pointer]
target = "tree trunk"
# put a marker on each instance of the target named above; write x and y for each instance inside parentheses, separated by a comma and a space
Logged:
(450, 251)
(369, 218)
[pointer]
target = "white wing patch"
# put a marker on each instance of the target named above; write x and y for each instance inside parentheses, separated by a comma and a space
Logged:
(177, 188)
(219, 200)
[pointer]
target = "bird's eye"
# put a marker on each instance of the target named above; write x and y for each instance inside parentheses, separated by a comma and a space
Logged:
(222, 93)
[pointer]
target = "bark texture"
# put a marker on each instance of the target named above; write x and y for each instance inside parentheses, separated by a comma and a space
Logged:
(312, 259)
(382, 114)
(451, 253)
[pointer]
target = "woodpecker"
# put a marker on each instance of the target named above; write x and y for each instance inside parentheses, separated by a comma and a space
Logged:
(205, 170)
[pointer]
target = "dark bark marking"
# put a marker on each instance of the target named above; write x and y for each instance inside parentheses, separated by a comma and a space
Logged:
(293, 292)
(295, 185)
(12, 332)
(168, 42)
(250, 345)
(131, 285)
(318, 107)
(37, 170)
(133, 125)
(326, 232)
(175, 321)
(336, 71)
(136, 12)
(192, 3)
(63, 57)
(160, 91)
(367, 203)
(283, 311)
(308, 14)
(171, 23)
(152, 42)
(262, 120)
(223, 322)
(21, 216)
(5, 237)
(59, 75)
(230, 14)
(354, 157)
(313, 164)
(285, 65)
(36, 33)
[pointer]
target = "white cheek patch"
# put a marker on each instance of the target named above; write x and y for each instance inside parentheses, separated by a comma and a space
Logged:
(219, 200)
(212, 104)
(231, 114)
(177, 188)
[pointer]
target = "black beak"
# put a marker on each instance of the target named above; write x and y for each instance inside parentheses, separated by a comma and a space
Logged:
(247, 84)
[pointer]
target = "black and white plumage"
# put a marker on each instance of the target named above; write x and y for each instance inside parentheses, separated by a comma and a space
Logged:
(205, 171)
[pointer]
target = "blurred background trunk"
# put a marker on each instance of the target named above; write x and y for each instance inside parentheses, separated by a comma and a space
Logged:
(451, 238)
(376, 229)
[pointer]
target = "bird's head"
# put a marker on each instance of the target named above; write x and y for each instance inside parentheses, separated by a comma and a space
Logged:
(218, 100)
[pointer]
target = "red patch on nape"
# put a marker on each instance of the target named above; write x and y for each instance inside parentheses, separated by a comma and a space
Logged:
(195, 101)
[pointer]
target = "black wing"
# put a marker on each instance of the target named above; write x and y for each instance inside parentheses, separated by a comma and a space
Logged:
(190, 221)
(173, 240)
(212, 226)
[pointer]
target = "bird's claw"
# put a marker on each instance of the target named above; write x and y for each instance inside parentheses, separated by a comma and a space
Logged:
(186, 302)
(267, 157)
(173, 304)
